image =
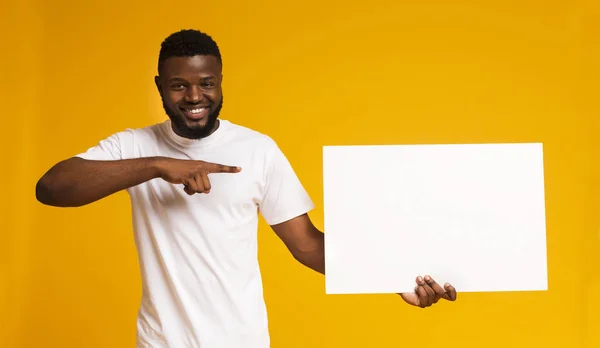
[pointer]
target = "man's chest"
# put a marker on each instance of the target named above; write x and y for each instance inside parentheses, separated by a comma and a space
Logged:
(232, 195)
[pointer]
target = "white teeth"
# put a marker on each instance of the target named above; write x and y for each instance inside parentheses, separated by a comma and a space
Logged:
(196, 111)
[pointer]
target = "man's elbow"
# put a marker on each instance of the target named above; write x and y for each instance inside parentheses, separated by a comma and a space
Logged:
(48, 193)
(55, 188)
(309, 253)
(314, 260)
(44, 192)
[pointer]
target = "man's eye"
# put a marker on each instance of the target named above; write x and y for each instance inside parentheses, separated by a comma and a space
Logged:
(208, 84)
(178, 86)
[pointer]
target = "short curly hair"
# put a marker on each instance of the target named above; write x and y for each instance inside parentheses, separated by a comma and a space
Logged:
(188, 43)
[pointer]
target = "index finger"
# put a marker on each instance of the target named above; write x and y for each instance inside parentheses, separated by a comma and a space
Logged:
(220, 168)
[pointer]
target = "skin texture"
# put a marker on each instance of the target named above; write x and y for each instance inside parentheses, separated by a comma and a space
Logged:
(189, 83)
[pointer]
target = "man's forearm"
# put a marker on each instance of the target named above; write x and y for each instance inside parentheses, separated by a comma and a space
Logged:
(76, 182)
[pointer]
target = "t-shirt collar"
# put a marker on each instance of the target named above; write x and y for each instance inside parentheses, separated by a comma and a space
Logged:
(202, 142)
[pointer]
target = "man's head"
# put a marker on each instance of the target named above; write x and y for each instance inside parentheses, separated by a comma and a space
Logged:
(189, 82)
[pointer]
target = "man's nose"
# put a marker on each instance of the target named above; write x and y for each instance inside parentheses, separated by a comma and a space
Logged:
(193, 95)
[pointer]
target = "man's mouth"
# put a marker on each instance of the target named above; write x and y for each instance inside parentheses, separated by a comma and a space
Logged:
(195, 113)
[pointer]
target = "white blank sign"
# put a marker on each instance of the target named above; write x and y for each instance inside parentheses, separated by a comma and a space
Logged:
(472, 215)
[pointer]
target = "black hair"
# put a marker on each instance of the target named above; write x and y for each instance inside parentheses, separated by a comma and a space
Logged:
(188, 43)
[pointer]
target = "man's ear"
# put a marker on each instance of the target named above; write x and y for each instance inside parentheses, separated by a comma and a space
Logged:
(157, 83)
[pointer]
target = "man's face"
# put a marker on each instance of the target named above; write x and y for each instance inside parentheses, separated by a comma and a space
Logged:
(190, 88)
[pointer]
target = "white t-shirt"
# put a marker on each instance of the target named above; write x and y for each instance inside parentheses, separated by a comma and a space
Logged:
(202, 287)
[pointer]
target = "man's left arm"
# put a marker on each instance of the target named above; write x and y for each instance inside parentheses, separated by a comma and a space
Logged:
(304, 241)
(306, 244)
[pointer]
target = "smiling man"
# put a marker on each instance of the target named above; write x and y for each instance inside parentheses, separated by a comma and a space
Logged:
(197, 185)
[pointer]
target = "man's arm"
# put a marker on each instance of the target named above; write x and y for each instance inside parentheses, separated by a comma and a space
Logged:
(76, 182)
(306, 243)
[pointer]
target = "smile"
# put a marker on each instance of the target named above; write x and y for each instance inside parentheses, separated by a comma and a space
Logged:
(196, 113)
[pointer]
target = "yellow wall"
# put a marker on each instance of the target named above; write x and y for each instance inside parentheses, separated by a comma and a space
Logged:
(309, 73)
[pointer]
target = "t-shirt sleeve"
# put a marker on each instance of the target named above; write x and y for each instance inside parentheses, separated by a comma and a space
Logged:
(118, 146)
(284, 196)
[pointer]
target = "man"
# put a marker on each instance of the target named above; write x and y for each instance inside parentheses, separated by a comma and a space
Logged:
(197, 184)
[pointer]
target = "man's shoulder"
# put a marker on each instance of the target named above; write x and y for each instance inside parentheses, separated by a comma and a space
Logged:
(249, 135)
(149, 132)
(149, 129)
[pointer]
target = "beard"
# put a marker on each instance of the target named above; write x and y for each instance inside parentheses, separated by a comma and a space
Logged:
(197, 132)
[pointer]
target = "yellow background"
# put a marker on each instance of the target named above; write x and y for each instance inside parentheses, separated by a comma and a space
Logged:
(308, 73)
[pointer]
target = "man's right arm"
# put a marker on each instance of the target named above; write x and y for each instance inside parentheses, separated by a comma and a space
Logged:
(76, 181)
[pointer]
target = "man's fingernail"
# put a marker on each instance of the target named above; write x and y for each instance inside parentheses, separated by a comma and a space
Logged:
(446, 285)
(420, 279)
(427, 278)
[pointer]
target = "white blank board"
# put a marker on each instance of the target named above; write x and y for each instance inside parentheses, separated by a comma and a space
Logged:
(472, 215)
